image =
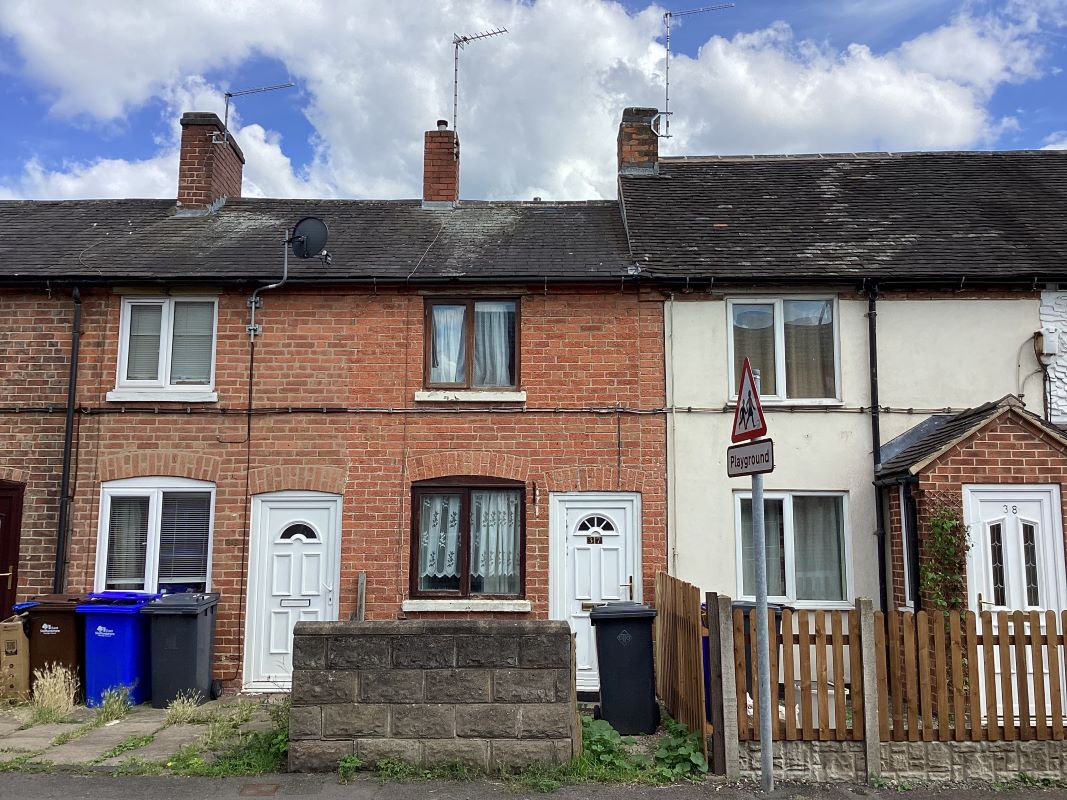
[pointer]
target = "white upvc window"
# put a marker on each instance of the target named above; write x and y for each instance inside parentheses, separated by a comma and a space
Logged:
(155, 535)
(167, 349)
(808, 549)
(792, 341)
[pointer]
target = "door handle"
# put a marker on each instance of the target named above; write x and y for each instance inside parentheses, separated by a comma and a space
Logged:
(8, 575)
(629, 585)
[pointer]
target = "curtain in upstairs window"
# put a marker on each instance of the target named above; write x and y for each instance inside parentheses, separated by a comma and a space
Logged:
(494, 343)
(142, 361)
(448, 356)
(809, 348)
(183, 540)
(127, 543)
(754, 338)
(190, 359)
(495, 542)
(439, 530)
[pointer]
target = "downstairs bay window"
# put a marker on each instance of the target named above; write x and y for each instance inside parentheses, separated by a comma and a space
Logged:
(467, 539)
(155, 535)
(807, 547)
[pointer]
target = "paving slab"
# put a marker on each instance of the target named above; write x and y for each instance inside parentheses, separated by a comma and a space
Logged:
(95, 743)
(147, 714)
(166, 743)
(8, 726)
(38, 737)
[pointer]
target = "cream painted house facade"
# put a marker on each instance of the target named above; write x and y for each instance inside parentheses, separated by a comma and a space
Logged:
(823, 446)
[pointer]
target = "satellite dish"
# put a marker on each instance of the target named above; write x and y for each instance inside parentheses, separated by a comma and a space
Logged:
(309, 238)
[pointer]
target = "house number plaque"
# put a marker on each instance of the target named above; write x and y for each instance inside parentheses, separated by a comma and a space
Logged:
(594, 540)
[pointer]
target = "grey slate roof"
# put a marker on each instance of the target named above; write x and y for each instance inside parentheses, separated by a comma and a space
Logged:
(910, 215)
(109, 240)
(949, 430)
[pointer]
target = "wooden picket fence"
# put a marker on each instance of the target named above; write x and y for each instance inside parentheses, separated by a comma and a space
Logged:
(816, 658)
(997, 676)
(931, 676)
(679, 653)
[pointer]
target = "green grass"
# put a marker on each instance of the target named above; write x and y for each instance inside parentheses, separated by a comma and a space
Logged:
(129, 743)
(138, 766)
(395, 770)
(227, 751)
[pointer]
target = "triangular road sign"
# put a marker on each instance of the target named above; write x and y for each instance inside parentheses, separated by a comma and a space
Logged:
(749, 422)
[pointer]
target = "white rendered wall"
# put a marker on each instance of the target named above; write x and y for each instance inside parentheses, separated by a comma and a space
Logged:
(932, 354)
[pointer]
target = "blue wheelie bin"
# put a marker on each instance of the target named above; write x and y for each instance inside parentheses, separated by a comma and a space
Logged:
(116, 645)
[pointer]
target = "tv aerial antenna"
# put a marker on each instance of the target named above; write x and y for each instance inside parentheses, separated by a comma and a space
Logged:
(667, 17)
(459, 42)
(241, 93)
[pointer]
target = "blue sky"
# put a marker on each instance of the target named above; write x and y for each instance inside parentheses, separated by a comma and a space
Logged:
(94, 91)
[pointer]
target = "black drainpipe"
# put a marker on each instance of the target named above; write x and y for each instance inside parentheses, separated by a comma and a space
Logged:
(876, 442)
(59, 579)
(910, 513)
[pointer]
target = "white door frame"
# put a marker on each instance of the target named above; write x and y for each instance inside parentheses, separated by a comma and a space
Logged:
(558, 535)
(254, 598)
(1049, 496)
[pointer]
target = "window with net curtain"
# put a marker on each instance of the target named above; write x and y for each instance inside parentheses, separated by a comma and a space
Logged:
(472, 343)
(467, 541)
(805, 541)
(157, 540)
(791, 343)
(169, 342)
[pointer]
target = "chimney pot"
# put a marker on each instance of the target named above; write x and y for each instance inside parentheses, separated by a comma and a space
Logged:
(442, 124)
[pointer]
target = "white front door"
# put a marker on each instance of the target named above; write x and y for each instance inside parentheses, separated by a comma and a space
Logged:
(1016, 560)
(596, 558)
(293, 576)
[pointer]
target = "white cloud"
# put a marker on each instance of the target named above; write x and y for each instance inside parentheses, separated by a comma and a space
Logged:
(539, 106)
(1056, 141)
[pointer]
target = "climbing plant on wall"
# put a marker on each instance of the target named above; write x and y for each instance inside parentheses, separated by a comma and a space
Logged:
(943, 568)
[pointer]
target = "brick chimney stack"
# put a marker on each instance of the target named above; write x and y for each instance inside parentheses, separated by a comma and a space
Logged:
(639, 142)
(210, 168)
(440, 168)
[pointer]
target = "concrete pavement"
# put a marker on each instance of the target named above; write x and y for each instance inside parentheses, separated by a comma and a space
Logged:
(365, 787)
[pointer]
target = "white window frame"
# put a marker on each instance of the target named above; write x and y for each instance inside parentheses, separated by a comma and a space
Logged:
(153, 489)
(780, 398)
(161, 389)
(905, 542)
(790, 598)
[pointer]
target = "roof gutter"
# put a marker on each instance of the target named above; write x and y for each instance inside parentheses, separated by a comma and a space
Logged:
(59, 577)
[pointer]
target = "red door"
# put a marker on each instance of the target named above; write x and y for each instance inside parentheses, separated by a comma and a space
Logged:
(10, 529)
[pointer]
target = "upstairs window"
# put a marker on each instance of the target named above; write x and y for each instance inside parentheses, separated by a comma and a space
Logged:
(793, 344)
(467, 539)
(155, 535)
(472, 344)
(167, 344)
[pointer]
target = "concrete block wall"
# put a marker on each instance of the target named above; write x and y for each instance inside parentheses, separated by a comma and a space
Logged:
(489, 693)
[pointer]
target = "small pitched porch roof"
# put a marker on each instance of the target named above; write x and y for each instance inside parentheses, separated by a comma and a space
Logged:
(915, 449)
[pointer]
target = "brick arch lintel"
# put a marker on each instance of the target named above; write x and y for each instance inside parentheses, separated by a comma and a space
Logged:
(14, 475)
(468, 462)
(170, 463)
(597, 479)
(302, 477)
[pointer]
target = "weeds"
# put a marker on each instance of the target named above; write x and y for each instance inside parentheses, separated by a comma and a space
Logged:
(679, 755)
(347, 767)
(55, 693)
(127, 744)
(115, 704)
(392, 770)
(185, 709)
(251, 753)
(138, 766)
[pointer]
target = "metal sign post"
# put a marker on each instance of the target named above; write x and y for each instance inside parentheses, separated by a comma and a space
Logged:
(749, 423)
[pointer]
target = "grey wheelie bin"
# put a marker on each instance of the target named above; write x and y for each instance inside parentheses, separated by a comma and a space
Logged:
(182, 634)
(627, 678)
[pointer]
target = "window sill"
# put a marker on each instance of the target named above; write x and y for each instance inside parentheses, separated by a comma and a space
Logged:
(770, 402)
(805, 605)
(468, 396)
(513, 606)
(161, 396)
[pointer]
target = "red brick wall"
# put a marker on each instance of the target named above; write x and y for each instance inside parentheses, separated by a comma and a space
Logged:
(895, 532)
(347, 348)
(440, 166)
(35, 346)
(1006, 451)
(207, 170)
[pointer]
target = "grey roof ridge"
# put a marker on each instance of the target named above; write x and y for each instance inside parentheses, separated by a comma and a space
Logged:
(856, 155)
